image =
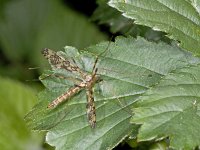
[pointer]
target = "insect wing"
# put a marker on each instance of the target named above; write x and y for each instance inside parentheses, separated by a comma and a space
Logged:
(59, 62)
(54, 59)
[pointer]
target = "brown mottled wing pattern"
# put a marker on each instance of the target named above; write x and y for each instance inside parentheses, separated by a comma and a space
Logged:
(59, 62)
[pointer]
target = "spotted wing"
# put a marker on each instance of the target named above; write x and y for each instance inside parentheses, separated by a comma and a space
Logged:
(57, 61)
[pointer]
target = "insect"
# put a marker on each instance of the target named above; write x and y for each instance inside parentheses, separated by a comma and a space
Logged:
(87, 82)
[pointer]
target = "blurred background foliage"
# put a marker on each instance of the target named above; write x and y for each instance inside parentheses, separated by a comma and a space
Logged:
(27, 26)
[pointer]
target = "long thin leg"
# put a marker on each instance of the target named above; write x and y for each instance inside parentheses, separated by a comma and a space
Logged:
(65, 96)
(91, 112)
(94, 67)
(97, 57)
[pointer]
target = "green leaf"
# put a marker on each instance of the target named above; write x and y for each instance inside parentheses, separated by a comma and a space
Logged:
(127, 68)
(171, 109)
(180, 18)
(16, 99)
(108, 15)
(104, 14)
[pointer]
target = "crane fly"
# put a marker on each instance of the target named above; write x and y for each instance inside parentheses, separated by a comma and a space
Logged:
(87, 82)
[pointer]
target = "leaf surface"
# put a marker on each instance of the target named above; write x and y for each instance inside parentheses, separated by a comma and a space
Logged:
(180, 18)
(172, 109)
(127, 68)
(104, 14)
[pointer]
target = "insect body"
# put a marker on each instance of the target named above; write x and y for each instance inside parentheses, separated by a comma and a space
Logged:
(87, 83)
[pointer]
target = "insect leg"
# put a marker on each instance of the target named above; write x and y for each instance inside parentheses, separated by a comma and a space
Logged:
(91, 112)
(66, 95)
